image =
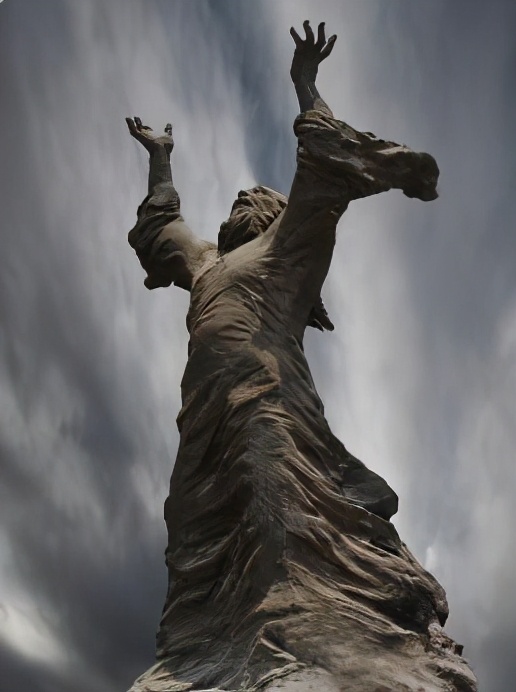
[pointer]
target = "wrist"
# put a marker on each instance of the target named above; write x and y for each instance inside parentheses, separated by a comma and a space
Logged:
(305, 79)
(160, 154)
(303, 70)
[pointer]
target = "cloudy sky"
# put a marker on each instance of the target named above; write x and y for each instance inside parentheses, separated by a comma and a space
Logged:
(419, 378)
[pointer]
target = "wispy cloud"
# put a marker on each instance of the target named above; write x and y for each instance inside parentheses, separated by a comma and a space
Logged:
(93, 361)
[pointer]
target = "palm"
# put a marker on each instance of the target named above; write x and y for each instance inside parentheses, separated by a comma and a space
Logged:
(309, 52)
(148, 138)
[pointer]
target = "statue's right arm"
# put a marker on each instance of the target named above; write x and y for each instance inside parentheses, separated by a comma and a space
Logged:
(304, 235)
(167, 248)
(335, 165)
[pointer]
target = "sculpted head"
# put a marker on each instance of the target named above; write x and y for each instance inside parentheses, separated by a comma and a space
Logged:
(251, 215)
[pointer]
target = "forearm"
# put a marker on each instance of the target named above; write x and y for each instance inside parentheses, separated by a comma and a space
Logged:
(160, 172)
(309, 97)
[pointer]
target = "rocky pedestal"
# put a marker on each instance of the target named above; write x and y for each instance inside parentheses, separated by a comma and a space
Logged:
(331, 612)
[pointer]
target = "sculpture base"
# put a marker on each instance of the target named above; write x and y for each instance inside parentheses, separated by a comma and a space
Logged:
(358, 618)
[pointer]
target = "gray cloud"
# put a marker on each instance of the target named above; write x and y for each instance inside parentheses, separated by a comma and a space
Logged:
(418, 379)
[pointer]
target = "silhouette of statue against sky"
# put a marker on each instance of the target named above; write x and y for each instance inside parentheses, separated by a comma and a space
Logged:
(281, 556)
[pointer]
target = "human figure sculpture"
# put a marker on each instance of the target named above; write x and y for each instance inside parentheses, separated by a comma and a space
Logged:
(282, 561)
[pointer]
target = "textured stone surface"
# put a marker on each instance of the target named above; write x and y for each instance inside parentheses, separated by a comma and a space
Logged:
(285, 572)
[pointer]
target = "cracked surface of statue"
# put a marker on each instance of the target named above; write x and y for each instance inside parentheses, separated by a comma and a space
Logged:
(284, 571)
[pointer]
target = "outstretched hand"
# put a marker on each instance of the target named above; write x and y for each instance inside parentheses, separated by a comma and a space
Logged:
(309, 52)
(148, 138)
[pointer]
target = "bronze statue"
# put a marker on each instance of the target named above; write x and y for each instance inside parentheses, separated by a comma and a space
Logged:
(282, 561)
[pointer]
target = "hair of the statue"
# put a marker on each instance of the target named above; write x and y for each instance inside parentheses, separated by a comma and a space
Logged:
(251, 215)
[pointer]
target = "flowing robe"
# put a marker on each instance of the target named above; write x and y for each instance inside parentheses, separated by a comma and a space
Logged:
(281, 555)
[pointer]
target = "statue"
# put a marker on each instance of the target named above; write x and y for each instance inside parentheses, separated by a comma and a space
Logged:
(283, 566)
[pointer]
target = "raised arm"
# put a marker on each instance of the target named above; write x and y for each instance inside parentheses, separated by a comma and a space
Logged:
(305, 66)
(159, 148)
(335, 165)
(166, 247)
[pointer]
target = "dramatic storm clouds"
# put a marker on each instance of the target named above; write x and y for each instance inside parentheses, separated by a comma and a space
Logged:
(419, 378)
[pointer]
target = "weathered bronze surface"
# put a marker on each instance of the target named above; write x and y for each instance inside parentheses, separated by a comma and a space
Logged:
(284, 569)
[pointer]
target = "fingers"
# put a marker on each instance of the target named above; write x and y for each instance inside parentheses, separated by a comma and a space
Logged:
(131, 125)
(321, 36)
(297, 38)
(310, 40)
(135, 126)
(324, 48)
(140, 126)
(328, 47)
(138, 130)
